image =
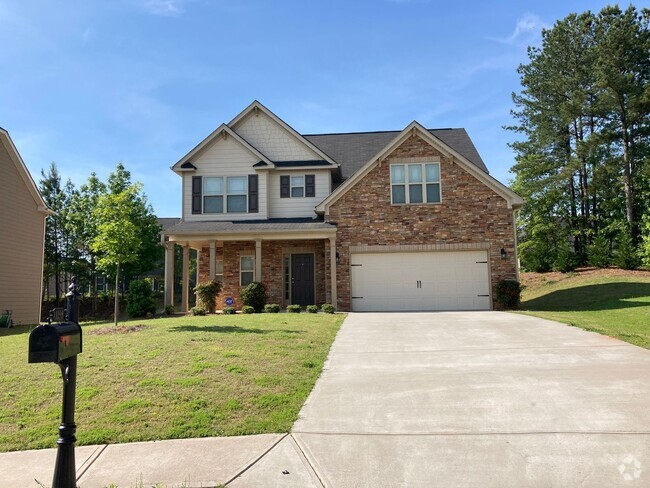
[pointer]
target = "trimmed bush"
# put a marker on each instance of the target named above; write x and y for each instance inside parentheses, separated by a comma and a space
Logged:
(626, 255)
(508, 293)
(247, 309)
(207, 294)
(140, 300)
(312, 308)
(169, 309)
(198, 311)
(565, 260)
(328, 308)
(254, 295)
(294, 309)
(271, 308)
(229, 310)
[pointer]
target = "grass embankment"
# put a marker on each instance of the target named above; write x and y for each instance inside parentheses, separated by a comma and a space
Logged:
(173, 378)
(613, 302)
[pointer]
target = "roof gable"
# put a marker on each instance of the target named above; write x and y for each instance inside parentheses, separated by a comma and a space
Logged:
(221, 132)
(10, 148)
(414, 128)
(276, 138)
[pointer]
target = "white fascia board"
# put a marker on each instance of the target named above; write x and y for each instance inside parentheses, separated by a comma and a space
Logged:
(213, 138)
(256, 105)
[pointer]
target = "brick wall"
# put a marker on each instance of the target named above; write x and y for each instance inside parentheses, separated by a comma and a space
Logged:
(470, 212)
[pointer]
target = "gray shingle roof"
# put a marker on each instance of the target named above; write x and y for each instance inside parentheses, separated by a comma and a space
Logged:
(167, 222)
(353, 150)
(270, 225)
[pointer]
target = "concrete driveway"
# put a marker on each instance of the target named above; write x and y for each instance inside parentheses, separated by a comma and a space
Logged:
(485, 399)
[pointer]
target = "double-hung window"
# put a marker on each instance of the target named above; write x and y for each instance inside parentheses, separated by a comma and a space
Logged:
(232, 188)
(415, 183)
(297, 186)
(246, 270)
(218, 270)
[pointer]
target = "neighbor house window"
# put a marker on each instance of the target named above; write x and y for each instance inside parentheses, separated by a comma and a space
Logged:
(246, 270)
(100, 284)
(218, 270)
(415, 183)
(233, 189)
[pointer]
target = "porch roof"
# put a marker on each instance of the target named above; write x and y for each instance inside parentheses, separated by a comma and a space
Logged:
(248, 228)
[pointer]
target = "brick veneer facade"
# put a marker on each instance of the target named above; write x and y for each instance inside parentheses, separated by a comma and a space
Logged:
(273, 253)
(470, 212)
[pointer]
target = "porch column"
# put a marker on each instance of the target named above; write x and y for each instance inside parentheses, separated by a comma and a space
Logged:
(213, 262)
(186, 279)
(169, 273)
(333, 269)
(258, 260)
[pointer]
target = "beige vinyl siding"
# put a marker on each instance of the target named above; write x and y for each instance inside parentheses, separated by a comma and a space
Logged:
(273, 140)
(21, 245)
(226, 157)
(297, 207)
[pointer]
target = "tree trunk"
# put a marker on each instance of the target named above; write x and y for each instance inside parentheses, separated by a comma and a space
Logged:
(627, 174)
(117, 295)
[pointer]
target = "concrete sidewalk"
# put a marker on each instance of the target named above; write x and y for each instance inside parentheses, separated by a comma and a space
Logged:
(449, 399)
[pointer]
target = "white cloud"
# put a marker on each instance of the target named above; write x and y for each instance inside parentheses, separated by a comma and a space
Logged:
(527, 29)
(166, 8)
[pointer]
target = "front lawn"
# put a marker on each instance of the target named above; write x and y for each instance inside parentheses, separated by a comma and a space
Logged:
(613, 302)
(173, 378)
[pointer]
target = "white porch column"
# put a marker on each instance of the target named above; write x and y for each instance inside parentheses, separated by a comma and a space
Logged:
(169, 273)
(186, 279)
(258, 260)
(213, 262)
(333, 269)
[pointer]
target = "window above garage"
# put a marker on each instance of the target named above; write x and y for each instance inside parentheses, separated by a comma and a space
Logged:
(415, 183)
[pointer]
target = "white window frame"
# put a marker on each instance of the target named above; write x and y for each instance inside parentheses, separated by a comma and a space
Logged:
(218, 263)
(292, 186)
(224, 193)
(423, 183)
(242, 271)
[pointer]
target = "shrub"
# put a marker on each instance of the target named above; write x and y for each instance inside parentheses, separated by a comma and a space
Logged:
(271, 308)
(508, 293)
(312, 308)
(169, 309)
(328, 308)
(294, 308)
(207, 294)
(644, 250)
(198, 311)
(140, 299)
(247, 309)
(626, 256)
(229, 310)
(254, 295)
(598, 252)
(537, 256)
(565, 259)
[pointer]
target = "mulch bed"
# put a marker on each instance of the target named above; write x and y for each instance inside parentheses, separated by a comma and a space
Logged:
(532, 279)
(120, 329)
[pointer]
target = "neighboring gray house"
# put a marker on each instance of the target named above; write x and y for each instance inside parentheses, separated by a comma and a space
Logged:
(22, 237)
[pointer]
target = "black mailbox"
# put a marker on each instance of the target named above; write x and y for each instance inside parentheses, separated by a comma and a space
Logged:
(52, 343)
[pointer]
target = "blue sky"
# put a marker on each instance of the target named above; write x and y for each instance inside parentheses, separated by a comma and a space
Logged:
(88, 84)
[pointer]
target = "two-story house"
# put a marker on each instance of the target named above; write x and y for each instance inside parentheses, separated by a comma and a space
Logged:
(400, 220)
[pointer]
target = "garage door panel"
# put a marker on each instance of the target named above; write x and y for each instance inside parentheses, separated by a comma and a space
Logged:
(420, 281)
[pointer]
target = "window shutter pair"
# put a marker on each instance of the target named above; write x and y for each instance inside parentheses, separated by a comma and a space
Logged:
(285, 186)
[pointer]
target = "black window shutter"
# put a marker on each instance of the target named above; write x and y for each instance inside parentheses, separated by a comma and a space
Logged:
(310, 185)
(284, 187)
(253, 199)
(197, 190)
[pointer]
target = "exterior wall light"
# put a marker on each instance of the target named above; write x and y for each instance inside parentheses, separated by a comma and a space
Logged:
(504, 254)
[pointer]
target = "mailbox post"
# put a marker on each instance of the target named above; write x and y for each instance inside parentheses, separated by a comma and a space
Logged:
(60, 343)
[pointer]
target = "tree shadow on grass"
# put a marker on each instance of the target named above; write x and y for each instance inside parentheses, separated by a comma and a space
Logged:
(228, 329)
(605, 296)
(16, 330)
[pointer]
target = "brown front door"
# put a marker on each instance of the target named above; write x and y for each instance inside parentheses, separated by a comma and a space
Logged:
(302, 279)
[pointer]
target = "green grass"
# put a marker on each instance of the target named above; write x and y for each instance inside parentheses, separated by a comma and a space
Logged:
(176, 378)
(617, 306)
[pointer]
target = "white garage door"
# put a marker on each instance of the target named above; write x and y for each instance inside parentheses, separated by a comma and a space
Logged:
(412, 281)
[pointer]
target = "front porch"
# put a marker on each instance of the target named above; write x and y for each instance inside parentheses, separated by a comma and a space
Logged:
(295, 261)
